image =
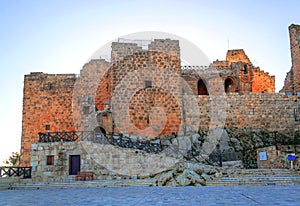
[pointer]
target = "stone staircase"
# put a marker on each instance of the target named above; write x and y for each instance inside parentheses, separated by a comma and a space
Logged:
(256, 177)
(231, 177)
(77, 184)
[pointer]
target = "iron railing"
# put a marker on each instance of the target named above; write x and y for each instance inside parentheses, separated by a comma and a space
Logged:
(98, 137)
(15, 172)
(70, 136)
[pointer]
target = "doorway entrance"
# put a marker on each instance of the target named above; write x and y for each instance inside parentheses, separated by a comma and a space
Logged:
(74, 164)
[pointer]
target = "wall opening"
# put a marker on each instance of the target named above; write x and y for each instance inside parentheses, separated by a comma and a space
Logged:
(50, 160)
(245, 69)
(148, 84)
(228, 85)
(202, 90)
(74, 164)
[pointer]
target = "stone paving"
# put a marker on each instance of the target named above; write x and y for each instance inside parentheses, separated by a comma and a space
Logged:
(210, 195)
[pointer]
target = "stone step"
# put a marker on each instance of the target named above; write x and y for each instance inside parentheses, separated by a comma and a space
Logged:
(251, 183)
(292, 180)
(296, 179)
(78, 184)
(260, 172)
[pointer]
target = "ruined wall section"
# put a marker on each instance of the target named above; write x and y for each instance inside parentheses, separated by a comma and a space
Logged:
(47, 107)
(249, 79)
(294, 31)
(91, 74)
(85, 93)
(245, 76)
(292, 80)
(103, 93)
(237, 55)
(192, 77)
(103, 102)
(212, 77)
(262, 81)
(270, 111)
(288, 87)
(218, 63)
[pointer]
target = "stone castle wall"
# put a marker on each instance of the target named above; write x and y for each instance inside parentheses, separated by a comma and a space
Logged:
(262, 81)
(143, 81)
(237, 55)
(106, 161)
(145, 92)
(294, 31)
(47, 104)
(292, 80)
(273, 112)
(85, 90)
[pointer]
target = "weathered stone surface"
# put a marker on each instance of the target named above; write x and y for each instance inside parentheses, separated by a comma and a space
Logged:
(291, 84)
(106, 161)
(187, 173)
(165, 178)
(68, 102)
(189, 177)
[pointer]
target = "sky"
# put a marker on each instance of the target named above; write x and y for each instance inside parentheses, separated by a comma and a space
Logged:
(54, 36)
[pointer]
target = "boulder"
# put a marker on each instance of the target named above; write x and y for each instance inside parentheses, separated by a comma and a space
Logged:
(164, 178)
(189, 177)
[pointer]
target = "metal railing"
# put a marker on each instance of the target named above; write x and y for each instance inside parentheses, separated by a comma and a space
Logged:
(15, 172)
(98, 137)
(69, 136)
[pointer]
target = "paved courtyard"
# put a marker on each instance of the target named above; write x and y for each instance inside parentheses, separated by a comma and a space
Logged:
(240, 195)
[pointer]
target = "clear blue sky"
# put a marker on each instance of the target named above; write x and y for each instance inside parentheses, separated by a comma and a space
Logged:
(60, 36)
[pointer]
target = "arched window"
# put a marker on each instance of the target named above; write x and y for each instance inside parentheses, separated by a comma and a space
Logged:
(245, 69)
(228, 84)
(202, 90)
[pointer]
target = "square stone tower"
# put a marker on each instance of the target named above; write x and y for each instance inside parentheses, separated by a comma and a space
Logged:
(295, 52)
(292, 80)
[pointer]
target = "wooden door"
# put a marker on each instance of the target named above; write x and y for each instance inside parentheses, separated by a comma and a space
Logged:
(74, 164)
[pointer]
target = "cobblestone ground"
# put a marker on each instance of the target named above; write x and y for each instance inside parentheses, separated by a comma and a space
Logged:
(241, 195)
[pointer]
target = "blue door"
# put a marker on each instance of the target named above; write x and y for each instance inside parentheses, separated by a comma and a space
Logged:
(74, 164)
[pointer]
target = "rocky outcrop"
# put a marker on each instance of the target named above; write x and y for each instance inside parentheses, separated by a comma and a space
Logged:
(188, 174)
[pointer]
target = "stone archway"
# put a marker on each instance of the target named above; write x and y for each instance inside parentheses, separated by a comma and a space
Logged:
(202, 89)
(229, 85)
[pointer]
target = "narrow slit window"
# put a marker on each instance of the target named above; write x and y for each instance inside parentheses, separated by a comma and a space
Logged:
(148, 84)
(50, 160)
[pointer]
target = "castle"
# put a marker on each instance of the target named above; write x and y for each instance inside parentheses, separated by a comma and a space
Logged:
(147, 92)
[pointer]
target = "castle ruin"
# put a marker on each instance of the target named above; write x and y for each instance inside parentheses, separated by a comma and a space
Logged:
(148, 93)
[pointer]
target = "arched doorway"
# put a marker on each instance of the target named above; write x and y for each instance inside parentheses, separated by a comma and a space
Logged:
(100, 135)
(228, 84)
(202, 90)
